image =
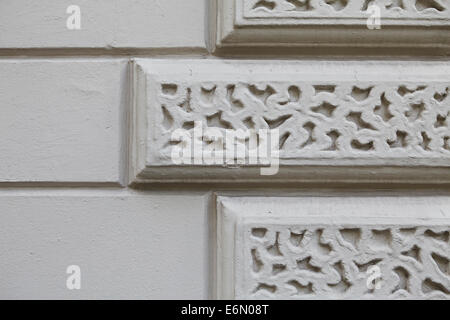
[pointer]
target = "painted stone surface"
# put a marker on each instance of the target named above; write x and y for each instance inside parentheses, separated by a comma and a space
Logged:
(294, 248)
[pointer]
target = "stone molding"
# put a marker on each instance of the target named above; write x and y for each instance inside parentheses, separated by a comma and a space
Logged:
(320, 23)
(344, 121)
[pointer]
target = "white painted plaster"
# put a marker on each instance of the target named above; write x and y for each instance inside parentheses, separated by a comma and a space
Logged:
(128, 245)
(61, 120)
(144, 24)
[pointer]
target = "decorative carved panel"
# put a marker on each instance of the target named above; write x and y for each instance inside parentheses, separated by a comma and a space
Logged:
(334, 248)
(403, 23)
(416, 10)
(388, 121)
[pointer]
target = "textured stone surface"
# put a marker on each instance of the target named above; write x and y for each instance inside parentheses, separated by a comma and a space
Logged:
(312, 248)
(61, 120)
(64, 120)
(326, 113)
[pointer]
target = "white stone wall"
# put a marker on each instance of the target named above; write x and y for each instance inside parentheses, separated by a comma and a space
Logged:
(86, 124)
(63, 155)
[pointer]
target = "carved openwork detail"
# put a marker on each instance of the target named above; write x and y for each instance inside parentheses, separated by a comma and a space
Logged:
(397, 9)
(295, 261)
(389, 26)
(323, 113)
(379, 119)
(333, 247)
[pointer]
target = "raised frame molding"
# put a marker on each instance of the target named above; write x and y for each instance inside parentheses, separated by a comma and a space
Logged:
(238, 26)
(406, 237)
(408, 142)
